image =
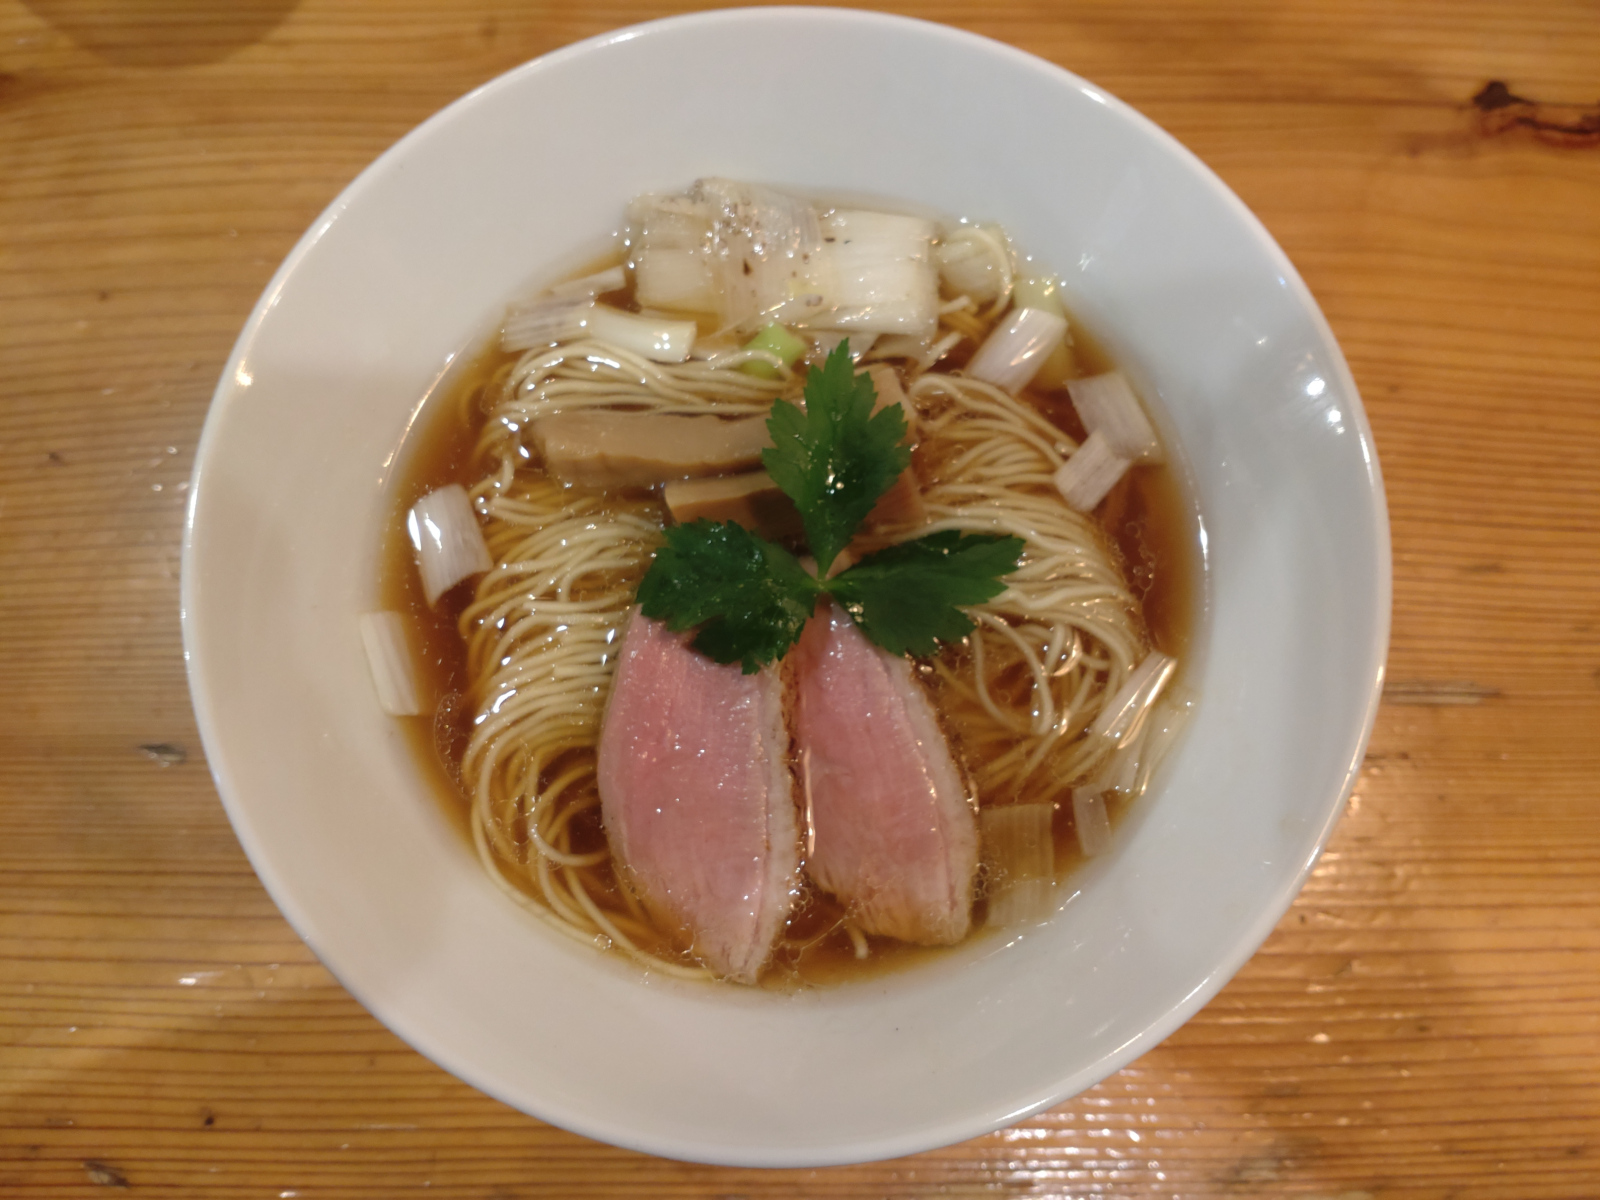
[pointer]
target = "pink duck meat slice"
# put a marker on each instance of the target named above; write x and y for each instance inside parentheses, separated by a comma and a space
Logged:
(698, 796)
(895, 836)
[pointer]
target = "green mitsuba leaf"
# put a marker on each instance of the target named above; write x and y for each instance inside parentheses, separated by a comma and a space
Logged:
(908, 597)
(835, 458)
(749, 597)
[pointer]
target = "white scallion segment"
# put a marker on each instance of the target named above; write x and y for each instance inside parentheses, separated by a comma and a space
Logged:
(1107, 406)
(553, 316)
(1124, 713)
(655, 338)
(389, 657)
(1016, 841)
(1092, 821)
(1011, 355)
(449, 542)
(589, 286)
(876, 273)
(1165, 723)
(1020, 860)
(1122, 771)
(1027, 902)
(543, 322)
(1091, 472)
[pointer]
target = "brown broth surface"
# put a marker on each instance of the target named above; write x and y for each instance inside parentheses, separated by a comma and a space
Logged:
(1148, 519)
(437, 451)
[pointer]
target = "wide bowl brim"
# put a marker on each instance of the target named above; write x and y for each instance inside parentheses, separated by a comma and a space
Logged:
(517, 182)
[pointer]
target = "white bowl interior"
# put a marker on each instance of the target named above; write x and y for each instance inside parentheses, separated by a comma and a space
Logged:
(411, 265)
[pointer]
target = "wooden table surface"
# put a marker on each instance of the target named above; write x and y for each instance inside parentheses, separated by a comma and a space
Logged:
(1425, 1021)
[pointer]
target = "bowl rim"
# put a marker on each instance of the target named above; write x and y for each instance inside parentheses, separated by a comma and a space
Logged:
(1249, 935)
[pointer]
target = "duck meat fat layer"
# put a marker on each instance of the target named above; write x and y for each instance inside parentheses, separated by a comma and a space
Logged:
(892, 832)
(698, 797)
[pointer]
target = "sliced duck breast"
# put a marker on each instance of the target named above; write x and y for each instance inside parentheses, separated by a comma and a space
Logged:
(698, 796)
(893, 833)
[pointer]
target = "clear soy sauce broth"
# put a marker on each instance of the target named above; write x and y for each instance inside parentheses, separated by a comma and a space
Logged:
(1147, 518)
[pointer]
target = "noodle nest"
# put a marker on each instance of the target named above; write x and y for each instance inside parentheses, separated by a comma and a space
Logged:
(544, 628)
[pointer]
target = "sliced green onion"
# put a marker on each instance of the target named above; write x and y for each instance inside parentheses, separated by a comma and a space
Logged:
(777, 341)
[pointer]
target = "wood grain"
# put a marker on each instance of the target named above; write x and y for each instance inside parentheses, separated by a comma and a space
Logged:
(1424, 1023)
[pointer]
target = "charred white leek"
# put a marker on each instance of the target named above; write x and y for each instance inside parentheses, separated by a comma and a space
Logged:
(1162, 727)
(670, 240)
(1011, 355)
(759, 256)
(449, 543)
(764, 246)
(876, 273)
(394, 675)
(675, 278)
(1119, 435)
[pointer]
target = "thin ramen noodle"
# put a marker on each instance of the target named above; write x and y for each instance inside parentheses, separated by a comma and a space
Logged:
(519, 660)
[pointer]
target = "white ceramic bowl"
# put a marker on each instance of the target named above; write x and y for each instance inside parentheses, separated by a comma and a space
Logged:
(411, 264)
